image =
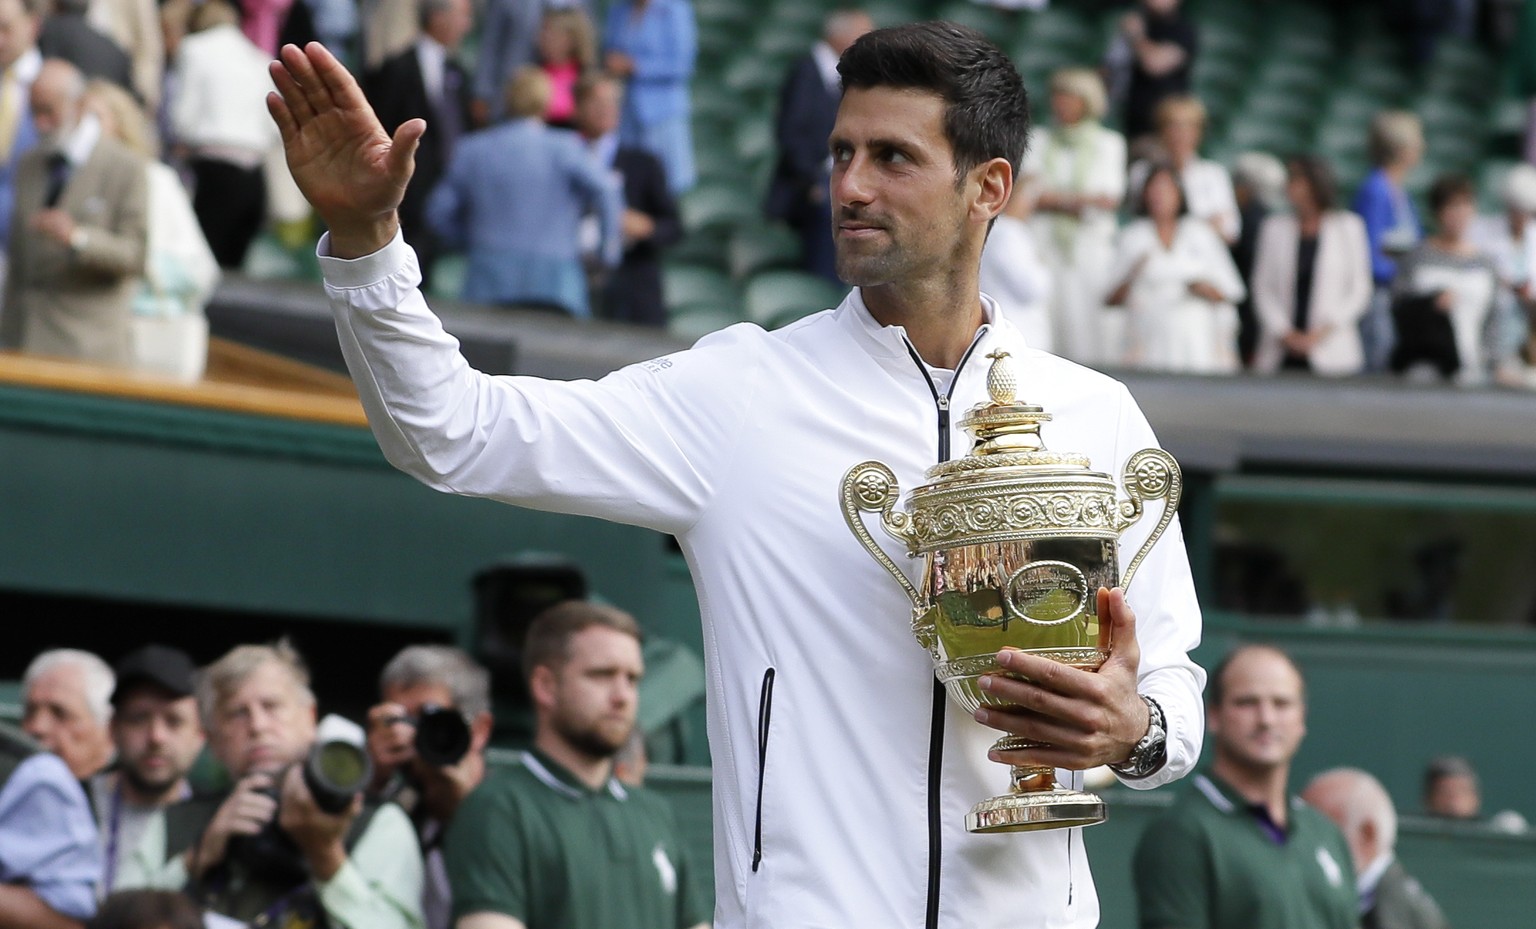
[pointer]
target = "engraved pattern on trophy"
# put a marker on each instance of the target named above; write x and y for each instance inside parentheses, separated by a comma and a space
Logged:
(1017, 540)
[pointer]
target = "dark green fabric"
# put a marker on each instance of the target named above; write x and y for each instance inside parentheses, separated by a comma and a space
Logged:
(563, 856)
(1201, 867)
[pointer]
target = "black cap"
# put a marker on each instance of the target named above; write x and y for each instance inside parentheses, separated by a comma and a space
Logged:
(170, 669)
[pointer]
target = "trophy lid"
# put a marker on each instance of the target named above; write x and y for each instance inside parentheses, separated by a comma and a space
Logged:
(1006, 430)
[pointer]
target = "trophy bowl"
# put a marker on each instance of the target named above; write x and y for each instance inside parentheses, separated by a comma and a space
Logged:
(1016, 542)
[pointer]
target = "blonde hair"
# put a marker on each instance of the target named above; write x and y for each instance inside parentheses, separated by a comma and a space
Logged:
(1084, 84)
(1392, 133)
(578, 28)
(528, 92)
(222, 678)
(1180, 106)
(130, 125)
(212, 13)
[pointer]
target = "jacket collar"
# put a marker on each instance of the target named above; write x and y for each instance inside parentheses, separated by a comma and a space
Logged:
(890, 342)
(558, 778)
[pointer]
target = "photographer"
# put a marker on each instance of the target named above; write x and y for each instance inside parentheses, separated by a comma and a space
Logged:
(427, 740)
(269, 850)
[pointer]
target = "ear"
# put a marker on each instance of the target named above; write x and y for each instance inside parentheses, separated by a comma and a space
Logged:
(480, 731)
(542, 685)
(994, 188)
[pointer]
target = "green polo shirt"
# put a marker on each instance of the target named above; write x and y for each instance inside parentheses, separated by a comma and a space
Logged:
(534, 843)
(1210, 863)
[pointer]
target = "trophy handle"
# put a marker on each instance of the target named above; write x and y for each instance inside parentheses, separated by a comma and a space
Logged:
(871, 487)
(1150, 474)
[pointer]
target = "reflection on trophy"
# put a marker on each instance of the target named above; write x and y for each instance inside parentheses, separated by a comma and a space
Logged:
(1017, 540)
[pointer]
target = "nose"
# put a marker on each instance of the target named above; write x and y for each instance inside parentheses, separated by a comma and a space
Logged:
(850, 181)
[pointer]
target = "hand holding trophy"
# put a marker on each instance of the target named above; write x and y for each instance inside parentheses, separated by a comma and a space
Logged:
(1017, 542)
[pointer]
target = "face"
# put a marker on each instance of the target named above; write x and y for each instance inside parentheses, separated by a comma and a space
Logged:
(899, 217)
(58, 716)
(1455, 217)
(450, 26)
(1181, 136)
(158, 736)
(18, 32)
(53, 112)
(1328, 798)
(1068, 109)
(1299, 192)
(1262, 716)
(1455, 797)
(1162, 196)
(412, 699)
(591, 700)
(598, 112)
(555, 42)
(1161, 6)
(264, 724)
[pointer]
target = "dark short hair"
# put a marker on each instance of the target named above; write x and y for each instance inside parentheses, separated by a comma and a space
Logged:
(1315, 170)
(426, 9)
(1444, 767)
(1156, 168)
(147, 909)
(987, 109)
(1449, 187)
(1216, 686)
(548, 643)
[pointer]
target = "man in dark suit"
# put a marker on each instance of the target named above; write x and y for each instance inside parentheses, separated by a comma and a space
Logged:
(649, 222)
(79, 231)
(425, 81)
(807, 108)
(67, 35)
(1390, 898)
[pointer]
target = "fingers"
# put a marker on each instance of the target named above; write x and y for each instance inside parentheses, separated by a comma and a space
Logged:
(280, 115)
(1124, 649)
(402, 153)
(285, 76)
(335, 80)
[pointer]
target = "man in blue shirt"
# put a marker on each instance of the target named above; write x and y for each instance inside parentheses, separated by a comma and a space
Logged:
(49, 857)
(652, 44)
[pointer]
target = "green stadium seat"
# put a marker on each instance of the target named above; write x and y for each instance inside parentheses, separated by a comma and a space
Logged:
(1063, 29)
(994, 24)
(693, 321)
(1279, 107)
(693, 285)
(761, 247)
(1292, 76)
(716, 208)
(754, 137)
(895, 12)
(776, 298)
(754, 75)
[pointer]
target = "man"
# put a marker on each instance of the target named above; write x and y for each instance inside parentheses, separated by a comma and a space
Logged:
(446, 679)
(513, 198)
(1237, 851)
(807, 108)
(259, 713)
(650, 220)
(1162, 42)
(425, 81)
(79, 231)
(1451, 790)
(509, 41)
(19, 63)
(559, 842)
(49, 859)
(842, 773)
(158, 736)
(67, 695)
(1389, 897)
(66, 34)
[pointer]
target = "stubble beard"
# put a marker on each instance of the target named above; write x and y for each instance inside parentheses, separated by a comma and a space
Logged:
(148, 788)
(592, 739)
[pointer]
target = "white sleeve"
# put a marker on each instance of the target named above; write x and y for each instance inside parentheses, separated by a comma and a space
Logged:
(1221, 271)
(1108, 175)
(1168, 621)
(643, 446)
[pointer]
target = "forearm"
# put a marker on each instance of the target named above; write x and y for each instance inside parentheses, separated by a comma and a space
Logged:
(353, 901)
(20, 908)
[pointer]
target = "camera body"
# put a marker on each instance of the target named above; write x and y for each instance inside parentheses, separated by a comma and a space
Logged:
(335, 771)
(442, 736)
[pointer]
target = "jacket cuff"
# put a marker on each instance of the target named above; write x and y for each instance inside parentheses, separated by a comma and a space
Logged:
(351, 273)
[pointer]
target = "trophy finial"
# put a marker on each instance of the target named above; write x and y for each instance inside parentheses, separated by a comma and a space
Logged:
(1001, 382)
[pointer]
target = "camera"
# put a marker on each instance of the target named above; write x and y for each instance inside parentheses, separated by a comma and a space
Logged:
(442, 736)
(335, 771)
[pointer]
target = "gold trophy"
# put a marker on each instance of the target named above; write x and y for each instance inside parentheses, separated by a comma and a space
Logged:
(1017, 541)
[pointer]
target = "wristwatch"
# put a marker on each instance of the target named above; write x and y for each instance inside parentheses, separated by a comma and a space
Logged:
(1151, 752)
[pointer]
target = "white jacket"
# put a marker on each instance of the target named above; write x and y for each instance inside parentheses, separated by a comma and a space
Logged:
(820, 701)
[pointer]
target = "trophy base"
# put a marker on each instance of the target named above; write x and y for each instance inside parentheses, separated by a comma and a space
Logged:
(1036, 810)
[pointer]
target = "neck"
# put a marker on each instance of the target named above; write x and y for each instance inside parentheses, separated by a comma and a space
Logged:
(1180, 159)
(137, 796)
(594, 772)
(1516, 225)
(941, 316)
(1309, 220)
(1396, 172)
(1264, 786)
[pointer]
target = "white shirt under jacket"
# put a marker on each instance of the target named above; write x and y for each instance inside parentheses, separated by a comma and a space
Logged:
(738, 447)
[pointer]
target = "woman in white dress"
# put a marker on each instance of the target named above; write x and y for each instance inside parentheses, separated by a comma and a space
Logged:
(1176, 279)
(1078, 168)
(1207, 185)
(1013, 275)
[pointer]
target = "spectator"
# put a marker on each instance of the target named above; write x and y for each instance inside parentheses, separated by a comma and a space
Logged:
(1391, 222)
(440, 678)
(49, 857)
(1013, 274)
(19, 63)
(533, 846)
(262, 22)
(1079, 169)
(650, 220)
(798, 192)
(170, 332)
(1510, 241)
(1389, 897)
(135, 26)
(512, 199)
(1451, 789)
(1282, 865)
(147, 909)
(158, 736)
(390, 26)
(1444, 292)
(1177, 281)
(1258, 184)
(567, 51)
(220, 119)
(67, 35)
(1180, 124)
(78, 232)
(1163, 42)
(426, 81)
(651, 44)
(509, 40)
(68, 696)
(357, 868)
(1311, 279)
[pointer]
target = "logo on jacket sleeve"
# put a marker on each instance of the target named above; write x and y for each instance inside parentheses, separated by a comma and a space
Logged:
(665, 869)
(1331, 869)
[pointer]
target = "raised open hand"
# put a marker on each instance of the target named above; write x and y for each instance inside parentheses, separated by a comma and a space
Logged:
(345, 164)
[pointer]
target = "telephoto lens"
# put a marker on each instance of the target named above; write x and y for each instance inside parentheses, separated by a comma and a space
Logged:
(335, 772)
(442, 736)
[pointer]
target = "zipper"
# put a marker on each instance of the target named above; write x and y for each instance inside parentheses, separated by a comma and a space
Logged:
(936, 724)
(764, 713)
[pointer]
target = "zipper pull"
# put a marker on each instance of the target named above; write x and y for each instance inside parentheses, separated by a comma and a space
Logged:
(943, 401)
